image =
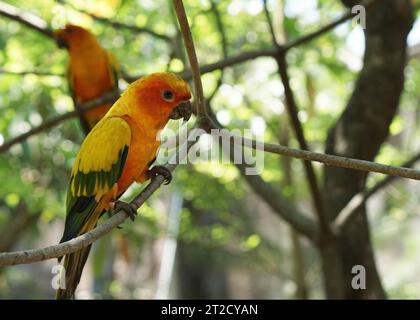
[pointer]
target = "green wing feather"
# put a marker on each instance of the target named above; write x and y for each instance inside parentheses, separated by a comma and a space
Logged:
(97, 168)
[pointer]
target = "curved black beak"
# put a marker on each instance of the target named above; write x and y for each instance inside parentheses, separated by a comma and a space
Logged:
(61, 43)
(182, 110)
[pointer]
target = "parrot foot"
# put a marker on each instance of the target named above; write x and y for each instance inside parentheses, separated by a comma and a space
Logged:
(129, 208)
(160, 170)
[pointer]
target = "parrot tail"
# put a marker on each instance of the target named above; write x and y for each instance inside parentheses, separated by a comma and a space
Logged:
(74, 262)
(73, 266)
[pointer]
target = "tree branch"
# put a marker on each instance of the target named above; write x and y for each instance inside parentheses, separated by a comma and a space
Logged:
(28, 19)
(336, 161)
(33, 72)
(224, 63)
(55, 251)
(224, 45)
(192, 56)
(220, 27)
(350, 210)
(292, 109)
(270, 23)
(83, 107)
(311, 36)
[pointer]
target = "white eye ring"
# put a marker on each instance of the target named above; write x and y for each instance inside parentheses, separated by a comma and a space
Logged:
(168, 95)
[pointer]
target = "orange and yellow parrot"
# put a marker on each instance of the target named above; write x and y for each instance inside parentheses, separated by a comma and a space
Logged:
(92, 71)
(117, 152)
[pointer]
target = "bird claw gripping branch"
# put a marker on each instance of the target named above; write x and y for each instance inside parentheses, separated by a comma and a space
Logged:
(160, 170)
(128, 208)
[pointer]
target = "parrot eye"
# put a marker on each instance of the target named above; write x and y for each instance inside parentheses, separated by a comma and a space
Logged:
(168, 95)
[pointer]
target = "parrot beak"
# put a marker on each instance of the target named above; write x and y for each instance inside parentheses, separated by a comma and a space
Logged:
(61, 43)
(182, 110)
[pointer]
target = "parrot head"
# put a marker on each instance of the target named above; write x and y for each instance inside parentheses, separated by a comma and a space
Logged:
(72, 35)
(164, 94)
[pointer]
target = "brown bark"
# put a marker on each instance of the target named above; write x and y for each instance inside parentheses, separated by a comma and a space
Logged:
(199, 272)
(360, 131)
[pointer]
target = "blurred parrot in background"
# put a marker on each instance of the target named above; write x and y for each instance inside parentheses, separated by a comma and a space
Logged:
(117, 152)
(92, 71)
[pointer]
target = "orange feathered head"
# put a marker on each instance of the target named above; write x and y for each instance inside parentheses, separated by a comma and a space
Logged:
(72, 35)
(162, 93)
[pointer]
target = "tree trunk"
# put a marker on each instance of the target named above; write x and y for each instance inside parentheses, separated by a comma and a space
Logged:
(199, 273)
(359, 133)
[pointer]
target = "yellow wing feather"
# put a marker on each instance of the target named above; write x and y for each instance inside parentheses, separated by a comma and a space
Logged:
(99, 159)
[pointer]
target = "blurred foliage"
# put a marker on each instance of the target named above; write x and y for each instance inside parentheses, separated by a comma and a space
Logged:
(231, 223)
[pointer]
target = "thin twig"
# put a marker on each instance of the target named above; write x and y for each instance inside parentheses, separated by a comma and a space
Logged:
(292, 109)
(48, 124)
(351, 209)
(270, 23)
(26, 18)
(192, 56)
(311, 36)
(33, 72)
(220, 27)
(224, 44)
(337, 161)
(327, 159)
(231, 61)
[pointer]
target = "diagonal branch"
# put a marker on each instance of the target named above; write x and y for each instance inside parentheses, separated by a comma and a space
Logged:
(224, 44)
(192, 56)
(33, 72)
(220, 27)
(338, 161)
(281, 206)
(224, 63)
(270, 23)
(311, 36)
(231, 61)
(28, 19)
(55, 251)
(297, 127)
(351, 209)
(83, 107)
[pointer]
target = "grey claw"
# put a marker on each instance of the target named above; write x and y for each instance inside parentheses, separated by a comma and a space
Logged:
(161, 170)
(128, 208)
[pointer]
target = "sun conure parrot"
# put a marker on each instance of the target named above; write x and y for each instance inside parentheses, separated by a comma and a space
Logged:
(117, 152)
(92, 71)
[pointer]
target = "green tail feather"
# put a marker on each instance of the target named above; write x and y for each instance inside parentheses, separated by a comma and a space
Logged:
(73, 266)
